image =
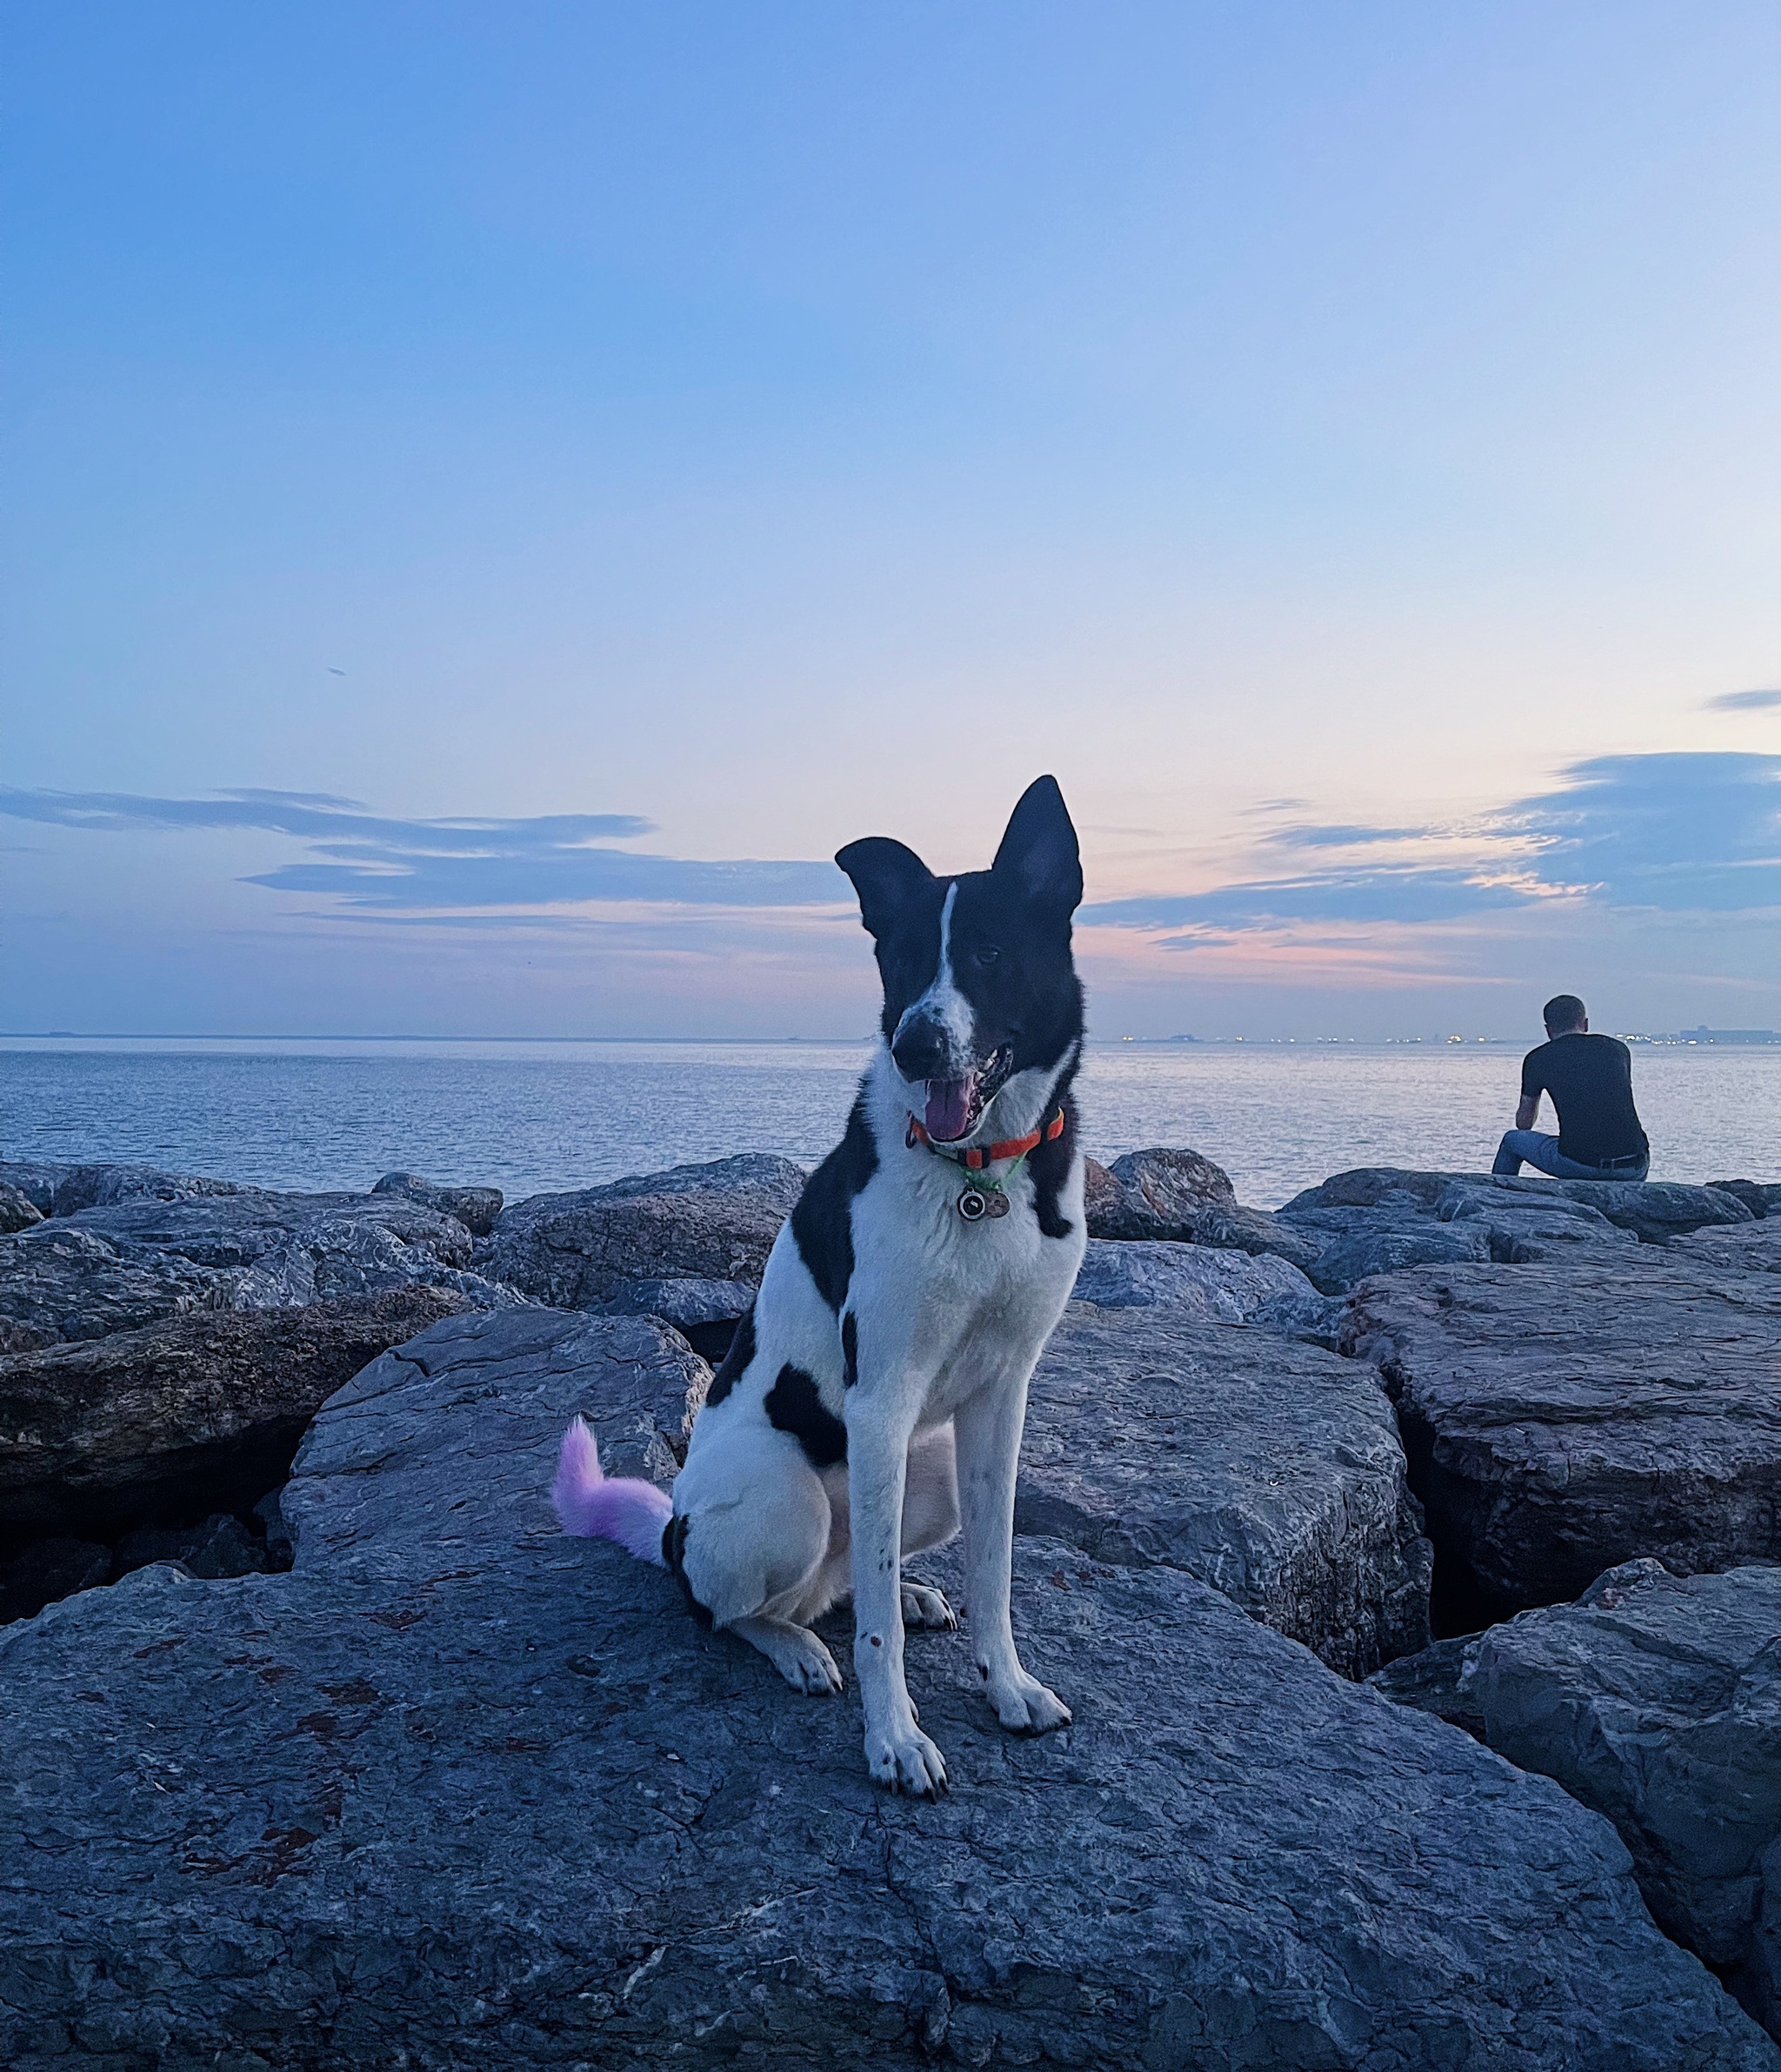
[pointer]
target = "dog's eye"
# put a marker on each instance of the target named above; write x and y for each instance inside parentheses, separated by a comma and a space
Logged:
(984, 957)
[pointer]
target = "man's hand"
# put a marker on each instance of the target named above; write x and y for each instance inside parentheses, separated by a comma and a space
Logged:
(1530, 1108)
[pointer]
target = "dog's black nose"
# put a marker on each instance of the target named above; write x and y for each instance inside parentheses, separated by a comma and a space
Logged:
(923, 1051)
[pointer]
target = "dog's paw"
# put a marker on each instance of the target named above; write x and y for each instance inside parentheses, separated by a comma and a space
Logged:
(1024, 1706)
(805, 1664)
(796, 1653)
(925, 1609)
(905, 1759)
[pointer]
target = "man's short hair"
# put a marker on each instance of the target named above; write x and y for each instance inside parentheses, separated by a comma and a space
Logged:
(1562, 1013)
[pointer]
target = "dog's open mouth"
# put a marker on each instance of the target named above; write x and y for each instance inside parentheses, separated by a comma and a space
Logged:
(956, 1106)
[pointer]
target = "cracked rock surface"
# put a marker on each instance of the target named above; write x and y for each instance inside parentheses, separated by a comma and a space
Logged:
(1569, 1414)
(1270, 1469)
(709, 1223)
(460, 1793)
(1655, 1699)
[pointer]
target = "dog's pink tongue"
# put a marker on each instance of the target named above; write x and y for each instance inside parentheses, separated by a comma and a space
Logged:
(948, 1108)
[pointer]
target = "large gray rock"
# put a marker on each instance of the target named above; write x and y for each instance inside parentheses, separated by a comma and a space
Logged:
(120, 1264)
(476, 1208)
(18, 1211)
(60, 1284)
(1656, 1699)
(1379, 1241)
(1382, 1219)
(1180, 1196)
(1269, 1470)
(35, 1179)
(1217, 1286)
(1653, 1210)
(100, 1186)
(702, 1223)
(458, 1793)
(197, 1413)
(1520, 1226)
(1567, 1414)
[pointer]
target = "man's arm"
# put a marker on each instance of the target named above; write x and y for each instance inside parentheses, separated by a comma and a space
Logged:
(1525, 1114)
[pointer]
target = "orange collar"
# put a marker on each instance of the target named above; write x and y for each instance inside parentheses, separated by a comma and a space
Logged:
(982, 1155)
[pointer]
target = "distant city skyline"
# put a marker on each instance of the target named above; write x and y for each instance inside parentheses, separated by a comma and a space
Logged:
(496, 498)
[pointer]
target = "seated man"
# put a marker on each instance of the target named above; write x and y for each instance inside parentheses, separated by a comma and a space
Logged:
(1589, 1078)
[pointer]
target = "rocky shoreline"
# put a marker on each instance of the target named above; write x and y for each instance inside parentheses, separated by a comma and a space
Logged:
(1410, 1557)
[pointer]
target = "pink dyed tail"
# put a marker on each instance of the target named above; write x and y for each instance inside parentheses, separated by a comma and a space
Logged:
(591, 1507)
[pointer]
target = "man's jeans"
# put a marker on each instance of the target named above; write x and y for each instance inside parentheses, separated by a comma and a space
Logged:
(1543, 1154)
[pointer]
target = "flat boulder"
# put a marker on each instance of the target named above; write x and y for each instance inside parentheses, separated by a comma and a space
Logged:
(1564, 1415)
(713, 1223)
(1219, 1286)
(1654, 1211)
(1386, 1245)
(457, 1791)
(263, 1250)
(61, 1284)
(100, 1186)
(1268, 1468)
(1181, 1196)
(189, 1413)
(1383, 1219)
(1655, 1699)
(476, 1208)
(1523, 1226)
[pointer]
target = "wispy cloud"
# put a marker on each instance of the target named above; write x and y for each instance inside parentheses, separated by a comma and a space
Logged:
(1346, 837)
(314, 816)
(1678, 833)
(423, 866)
(1744, 701)
(1407, 894)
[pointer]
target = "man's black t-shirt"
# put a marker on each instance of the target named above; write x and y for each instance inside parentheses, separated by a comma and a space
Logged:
(1589, 1078)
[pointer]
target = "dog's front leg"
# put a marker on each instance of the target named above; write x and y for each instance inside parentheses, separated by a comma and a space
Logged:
(899, 1753)
(988, 1429)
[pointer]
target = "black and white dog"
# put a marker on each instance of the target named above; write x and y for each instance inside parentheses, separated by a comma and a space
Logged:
(883, 1375)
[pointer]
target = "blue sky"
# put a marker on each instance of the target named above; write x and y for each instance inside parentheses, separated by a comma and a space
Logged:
(497, 497)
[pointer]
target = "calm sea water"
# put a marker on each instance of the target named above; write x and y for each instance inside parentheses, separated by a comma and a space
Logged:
(536, 1117)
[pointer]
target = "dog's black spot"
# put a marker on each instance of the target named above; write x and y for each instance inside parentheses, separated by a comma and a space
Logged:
(794, 1406)
(849, 1350)
(742, 1350)
(674, 1553)
(1050, 1166)
(822, 1223)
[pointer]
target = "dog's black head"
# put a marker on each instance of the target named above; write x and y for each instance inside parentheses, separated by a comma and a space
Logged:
(979, 985)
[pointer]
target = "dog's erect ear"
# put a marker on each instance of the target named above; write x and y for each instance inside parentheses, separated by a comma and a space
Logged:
(886, 876)
(1038, 853)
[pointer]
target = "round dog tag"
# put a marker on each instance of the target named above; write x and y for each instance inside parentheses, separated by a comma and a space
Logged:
(995, 1205)
(972, 1205)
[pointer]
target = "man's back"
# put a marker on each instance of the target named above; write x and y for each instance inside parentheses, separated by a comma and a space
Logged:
(1589, 1078)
